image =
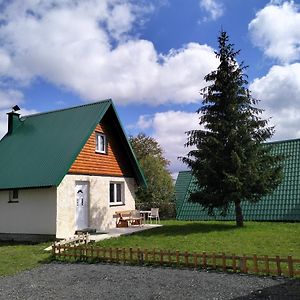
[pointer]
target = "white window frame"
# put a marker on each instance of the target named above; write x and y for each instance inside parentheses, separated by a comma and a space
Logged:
(13, 196)
(115, 202)
(98, 144)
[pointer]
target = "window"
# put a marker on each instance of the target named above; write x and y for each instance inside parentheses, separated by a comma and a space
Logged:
(101, 145)
(116, 193)
(13, 196)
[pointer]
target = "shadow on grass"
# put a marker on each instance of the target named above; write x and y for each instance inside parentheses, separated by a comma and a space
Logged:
(25, 243)
(190, 228)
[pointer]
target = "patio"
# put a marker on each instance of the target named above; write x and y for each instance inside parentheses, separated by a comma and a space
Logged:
(116, 232)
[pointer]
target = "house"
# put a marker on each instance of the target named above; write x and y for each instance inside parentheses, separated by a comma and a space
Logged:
(282, 205)
(65, 170)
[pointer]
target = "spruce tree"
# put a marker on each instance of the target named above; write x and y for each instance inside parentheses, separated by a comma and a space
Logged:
(230, 161)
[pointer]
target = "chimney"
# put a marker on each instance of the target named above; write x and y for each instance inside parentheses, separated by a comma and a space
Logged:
(13, 122)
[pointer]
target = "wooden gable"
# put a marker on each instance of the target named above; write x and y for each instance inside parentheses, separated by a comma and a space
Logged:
(113, 163)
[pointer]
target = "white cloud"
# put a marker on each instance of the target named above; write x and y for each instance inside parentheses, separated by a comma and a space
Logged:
(169, 130)
(88, 48)
(9, 98)
(214, 8)
(275, 30)
(279, 91)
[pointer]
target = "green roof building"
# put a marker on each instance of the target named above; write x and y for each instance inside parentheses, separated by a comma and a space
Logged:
(65, 170)
(282, 205)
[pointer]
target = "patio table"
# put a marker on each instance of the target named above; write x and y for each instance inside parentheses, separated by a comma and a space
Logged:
(145, 213)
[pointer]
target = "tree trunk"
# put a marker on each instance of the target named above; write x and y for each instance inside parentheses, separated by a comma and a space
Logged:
(238, 214)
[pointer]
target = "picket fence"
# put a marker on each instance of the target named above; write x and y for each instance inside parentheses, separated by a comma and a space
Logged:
(266, 265)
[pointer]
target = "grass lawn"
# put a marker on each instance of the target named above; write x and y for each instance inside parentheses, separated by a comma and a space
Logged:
(19, 257)
(261, 238)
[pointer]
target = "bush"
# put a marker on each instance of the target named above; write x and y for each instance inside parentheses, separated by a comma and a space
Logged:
(166, 209)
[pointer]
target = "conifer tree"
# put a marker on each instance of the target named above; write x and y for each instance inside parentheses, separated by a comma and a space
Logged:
(230, 161)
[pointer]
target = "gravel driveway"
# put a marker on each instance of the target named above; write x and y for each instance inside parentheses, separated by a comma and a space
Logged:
(104, 281)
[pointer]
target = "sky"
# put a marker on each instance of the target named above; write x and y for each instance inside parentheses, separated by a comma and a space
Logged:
(150, 57)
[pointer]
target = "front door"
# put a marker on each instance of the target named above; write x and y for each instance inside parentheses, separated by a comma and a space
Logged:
(82, 206)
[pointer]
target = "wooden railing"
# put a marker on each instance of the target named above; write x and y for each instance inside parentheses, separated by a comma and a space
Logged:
(75, 241)
(233, 263)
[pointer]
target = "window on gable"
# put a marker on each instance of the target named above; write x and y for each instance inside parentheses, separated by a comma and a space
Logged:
(13, 196)
(101, 143)
(116, 193)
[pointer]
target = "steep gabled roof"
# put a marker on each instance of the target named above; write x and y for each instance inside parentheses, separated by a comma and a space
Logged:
(42, 148)
(282, 205)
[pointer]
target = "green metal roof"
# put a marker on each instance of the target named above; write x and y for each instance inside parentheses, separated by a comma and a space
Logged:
(42, 147)
(282, 205)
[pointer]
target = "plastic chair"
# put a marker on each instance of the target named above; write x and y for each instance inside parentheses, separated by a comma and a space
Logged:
(154, 215)
(136, 218)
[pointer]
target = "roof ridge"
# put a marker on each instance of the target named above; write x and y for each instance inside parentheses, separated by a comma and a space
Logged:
(282, 141)
(67, 108)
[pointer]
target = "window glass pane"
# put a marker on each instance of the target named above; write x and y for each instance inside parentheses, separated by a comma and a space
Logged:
(119, 194)
(15, 194)
(102, 143)
(111, 193)
(98, 142)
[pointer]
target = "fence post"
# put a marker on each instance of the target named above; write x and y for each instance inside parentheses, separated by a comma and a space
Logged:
(278, 265)
(110, 254)
(117, 254)
(255, 265)
(186, 258)
(130, 255)
(161, 260)
(177, 258)
(124, 255)
(140, 256)
(233, 263)
(53, 249)
(243, 264)
(290, 266)
(195, 260)
(214, 264)
(224, 262)
(204, 260)
(267, 264)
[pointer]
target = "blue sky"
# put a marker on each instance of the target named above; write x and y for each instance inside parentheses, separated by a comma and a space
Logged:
(150, 57)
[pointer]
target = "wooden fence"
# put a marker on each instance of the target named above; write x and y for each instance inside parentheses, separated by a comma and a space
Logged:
(233, 263)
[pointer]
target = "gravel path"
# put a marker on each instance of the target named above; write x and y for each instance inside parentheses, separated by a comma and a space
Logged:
(104, 281)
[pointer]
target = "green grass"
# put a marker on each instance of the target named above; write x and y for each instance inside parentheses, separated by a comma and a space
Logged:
(19, 257)
(261, 238)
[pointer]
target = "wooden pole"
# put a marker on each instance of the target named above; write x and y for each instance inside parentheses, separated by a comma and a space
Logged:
(214, 264)
(204, 260)
(161, 257)
(186, 258)
(267, 264)
(177, 258)
(255, 264)
(124, 255)
(290, 266)
(224, 262)
(130, 255)
(278, 265)
(233, 262)
(195, 261)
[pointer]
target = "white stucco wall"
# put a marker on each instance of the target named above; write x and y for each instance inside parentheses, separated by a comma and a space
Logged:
(35, 213)
(100, 211)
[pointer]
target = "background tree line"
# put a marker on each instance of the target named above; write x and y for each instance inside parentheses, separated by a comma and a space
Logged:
(160, 190)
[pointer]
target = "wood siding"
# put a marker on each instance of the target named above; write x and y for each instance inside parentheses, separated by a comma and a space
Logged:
(114, 163)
